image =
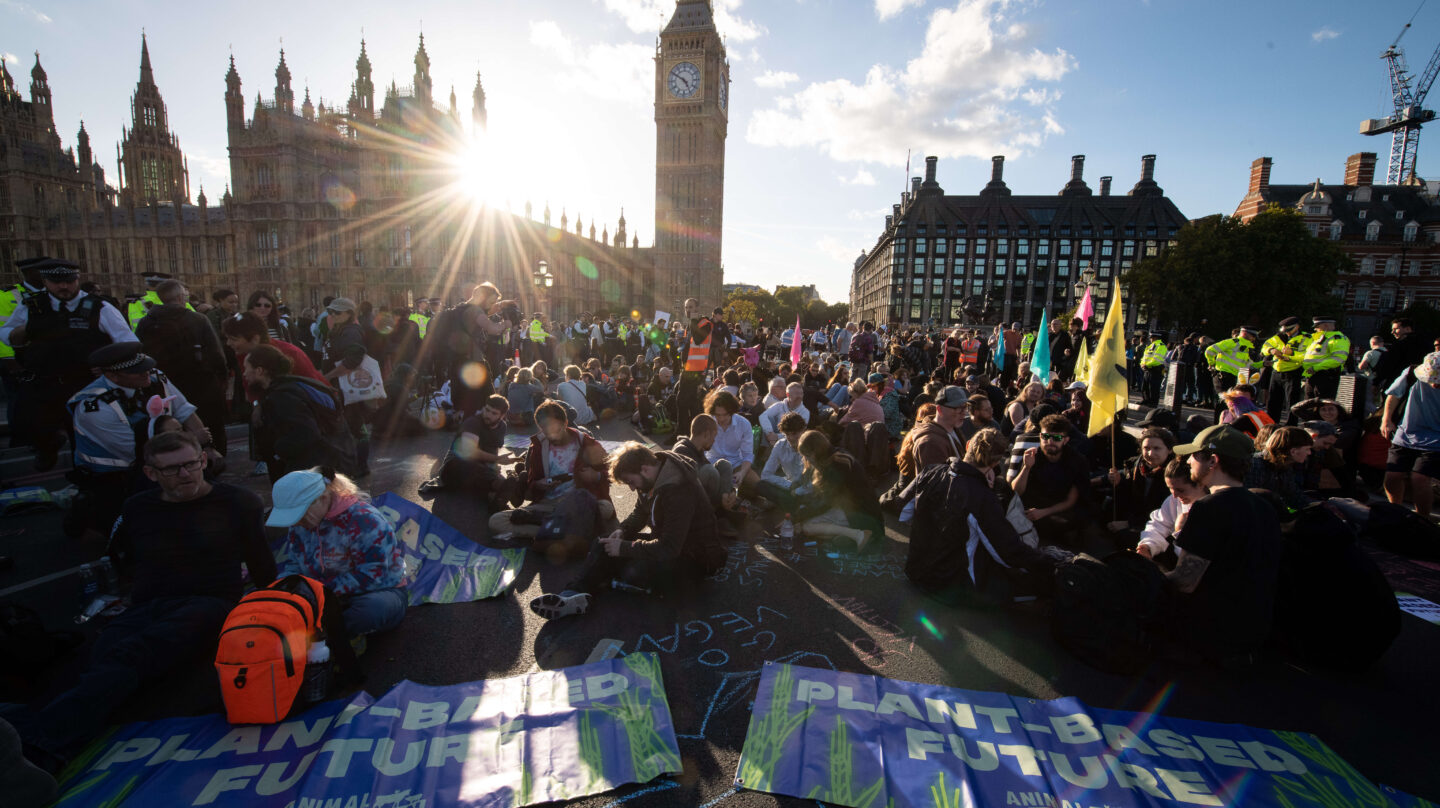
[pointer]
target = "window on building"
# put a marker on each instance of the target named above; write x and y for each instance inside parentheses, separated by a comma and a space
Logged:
(1372, 231)
(1387, 299)
(1413, 268)
(1000, 267)
(197, 256)
(1367, 265)
(940, 246)
(977, 287)
(920, 245)
(1335, 231)
(1086, 248)
(937, 286)
(1410, 231)
(1392, 265)
(1022, 268)
(1065, 247)
(980, 246)
(358, 258)
(1002, 246)
(1022, 246)
(959, 267)
(919, 266)
(1399, 214)
(104, 257)
(1151, 249)
(1062, 268)
(150, 116)
(1361, 214)
(915, 311)
(1042, 248)
(222, 256)
(1107, 249)
(960, 246)
(1362, 298)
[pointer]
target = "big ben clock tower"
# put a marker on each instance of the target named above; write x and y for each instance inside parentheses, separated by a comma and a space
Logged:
(692, 98)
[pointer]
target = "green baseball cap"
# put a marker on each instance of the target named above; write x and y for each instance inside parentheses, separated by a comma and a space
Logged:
(1222, 439)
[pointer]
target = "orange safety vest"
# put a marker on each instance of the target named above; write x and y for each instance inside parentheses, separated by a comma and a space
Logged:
(970, 352)
(697, 358)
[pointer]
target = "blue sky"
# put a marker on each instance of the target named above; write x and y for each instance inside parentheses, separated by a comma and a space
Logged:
(827, 96)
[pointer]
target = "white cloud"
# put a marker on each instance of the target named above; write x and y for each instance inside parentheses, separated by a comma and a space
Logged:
(838, 250)
(958, 97)
(649, 16)
(862, 177)
(1325, 34)
(622, 72)
(876, 215)
(25, 10)
(885, 9)
(776, 78)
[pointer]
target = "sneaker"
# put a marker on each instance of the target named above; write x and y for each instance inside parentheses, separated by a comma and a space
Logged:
(430, 487)
(260, 469)
(562, 605)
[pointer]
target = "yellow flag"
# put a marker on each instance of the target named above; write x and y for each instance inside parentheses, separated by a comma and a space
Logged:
(1082, 361)
(1109, 391)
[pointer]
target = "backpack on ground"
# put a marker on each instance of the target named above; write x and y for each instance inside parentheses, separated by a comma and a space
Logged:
(1399, 530)
(1333, 606)
(1108, 612)
(263, 646)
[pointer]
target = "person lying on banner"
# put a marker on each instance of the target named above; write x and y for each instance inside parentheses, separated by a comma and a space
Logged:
(964, 540)
(566, 489)
(338, 538)
(1228, 573)
(181, 546)
(668, 542)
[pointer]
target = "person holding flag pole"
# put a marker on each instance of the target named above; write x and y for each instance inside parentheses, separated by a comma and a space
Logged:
(1108, 385)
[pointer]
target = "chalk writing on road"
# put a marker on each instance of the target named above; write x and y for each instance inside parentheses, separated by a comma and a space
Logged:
(886, 639)
(716, 637)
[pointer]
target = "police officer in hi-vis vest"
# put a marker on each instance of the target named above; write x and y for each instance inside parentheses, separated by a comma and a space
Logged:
(1229, 359)
(688, 399)
(1285, 351)
(1153, 363)
(1325, 359)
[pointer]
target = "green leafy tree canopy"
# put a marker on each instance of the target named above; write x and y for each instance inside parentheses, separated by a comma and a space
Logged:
(1227, 273)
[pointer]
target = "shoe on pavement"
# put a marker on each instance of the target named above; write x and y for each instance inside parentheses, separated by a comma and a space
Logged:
(431, 486)
(562, 605)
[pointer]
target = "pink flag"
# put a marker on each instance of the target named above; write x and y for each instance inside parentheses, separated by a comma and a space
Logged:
(795, 343)
(1087, 310)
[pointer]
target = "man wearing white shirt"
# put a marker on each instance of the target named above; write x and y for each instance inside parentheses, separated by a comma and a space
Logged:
(53, 335)
(734, 441)
(794, 402)
(785, 468)
(777, 392)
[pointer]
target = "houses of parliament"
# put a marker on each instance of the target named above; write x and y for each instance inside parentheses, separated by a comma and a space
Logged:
(345, 200)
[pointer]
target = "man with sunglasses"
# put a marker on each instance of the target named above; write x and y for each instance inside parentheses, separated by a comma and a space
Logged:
(109, 416)
(1053, 483)
(180, 546)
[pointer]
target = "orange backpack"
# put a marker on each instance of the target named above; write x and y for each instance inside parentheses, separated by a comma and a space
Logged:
(261, 659)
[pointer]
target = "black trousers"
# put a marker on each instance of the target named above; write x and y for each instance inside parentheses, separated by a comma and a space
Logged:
(1154, 381)
(1323, 383)
(468, 475)
(687, 400)
(600, 568)
(207, 392)
(1286, 389)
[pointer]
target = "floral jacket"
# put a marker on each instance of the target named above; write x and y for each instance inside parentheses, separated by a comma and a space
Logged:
(353, 551)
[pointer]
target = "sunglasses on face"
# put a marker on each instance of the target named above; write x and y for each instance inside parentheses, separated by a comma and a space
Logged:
(1050, 436)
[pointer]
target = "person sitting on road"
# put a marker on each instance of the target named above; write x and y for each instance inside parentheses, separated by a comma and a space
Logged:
(783, 478)
(1139, 485)
(794, 402)
(982, 416)
(338, 538)
(680, 549)
(1228, 573)
(716, 478)
(564, 478)
(1280, 466)
(1169, 518)
(1242, 412)
(937, 441)
(843, 504)
(735, 442)
(473, 464)
(301, 422)
(961, 541)
(181, 546)
(573, 391)
(523, 395)
(1054, 483)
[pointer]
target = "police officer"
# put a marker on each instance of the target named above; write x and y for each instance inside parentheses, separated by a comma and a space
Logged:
(1325, 359)
(111, 420)
(1153, 363)
(1285, 351)
(135, 312)
(10, 370)
(421, 316)
(57, 331)
(1229, 358)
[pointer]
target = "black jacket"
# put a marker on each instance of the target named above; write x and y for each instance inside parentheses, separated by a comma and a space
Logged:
(844, 484)
(302, 425)
(681, 521)
(183, 343)
(954, 505)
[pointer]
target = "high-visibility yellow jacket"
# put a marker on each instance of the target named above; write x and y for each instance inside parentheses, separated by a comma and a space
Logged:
(10, 300)
(1027, 344)
(421, 322)
(537, 331)
(1328, 350)
(1232, 356)
(1275, 347)
(1154, 355)
(136, 311)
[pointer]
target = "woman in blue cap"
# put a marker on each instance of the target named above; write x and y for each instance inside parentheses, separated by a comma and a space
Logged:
(338, 538)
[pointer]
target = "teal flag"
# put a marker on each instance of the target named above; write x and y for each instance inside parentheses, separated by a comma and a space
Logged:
(1040, 364)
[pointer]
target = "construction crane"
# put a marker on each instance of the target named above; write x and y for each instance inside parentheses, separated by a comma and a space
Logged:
(1404, 124)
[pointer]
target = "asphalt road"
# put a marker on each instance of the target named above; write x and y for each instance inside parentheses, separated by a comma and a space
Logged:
(857, 615)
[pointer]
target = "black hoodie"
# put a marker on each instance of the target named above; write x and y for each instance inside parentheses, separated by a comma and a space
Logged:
(302, 425)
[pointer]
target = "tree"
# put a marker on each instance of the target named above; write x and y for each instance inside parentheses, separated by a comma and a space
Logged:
(1225, 273)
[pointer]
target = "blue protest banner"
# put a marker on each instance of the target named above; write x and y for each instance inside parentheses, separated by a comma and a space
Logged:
(869, 742)
(441, 565)
(498, 743)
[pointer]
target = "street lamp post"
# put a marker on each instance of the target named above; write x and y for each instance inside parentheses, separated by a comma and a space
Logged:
(543, 280)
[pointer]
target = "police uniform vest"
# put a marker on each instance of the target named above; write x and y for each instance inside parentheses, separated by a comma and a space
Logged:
(1027, 344)
(1154, 355)
(1231, 356)
(697, 358)
(1328, 351)
(59, 341)
(131, 406)
(1297, 344)
(10, 300)
(421, 322)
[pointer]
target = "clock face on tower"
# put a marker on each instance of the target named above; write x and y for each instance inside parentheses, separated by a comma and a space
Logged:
(724, 92)
(684, 80)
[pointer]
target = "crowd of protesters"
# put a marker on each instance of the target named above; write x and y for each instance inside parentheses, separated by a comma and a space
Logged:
(985, 459)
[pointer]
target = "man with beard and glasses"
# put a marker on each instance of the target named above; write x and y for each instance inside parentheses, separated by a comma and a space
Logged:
(680, 548)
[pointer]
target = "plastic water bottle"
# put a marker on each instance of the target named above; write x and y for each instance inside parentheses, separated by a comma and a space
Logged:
(89, 583)
(109, 577)
(317, 673)
(787, 534)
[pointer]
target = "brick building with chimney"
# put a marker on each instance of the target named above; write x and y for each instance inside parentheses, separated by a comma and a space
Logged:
(1392, 232)
(944, 260)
